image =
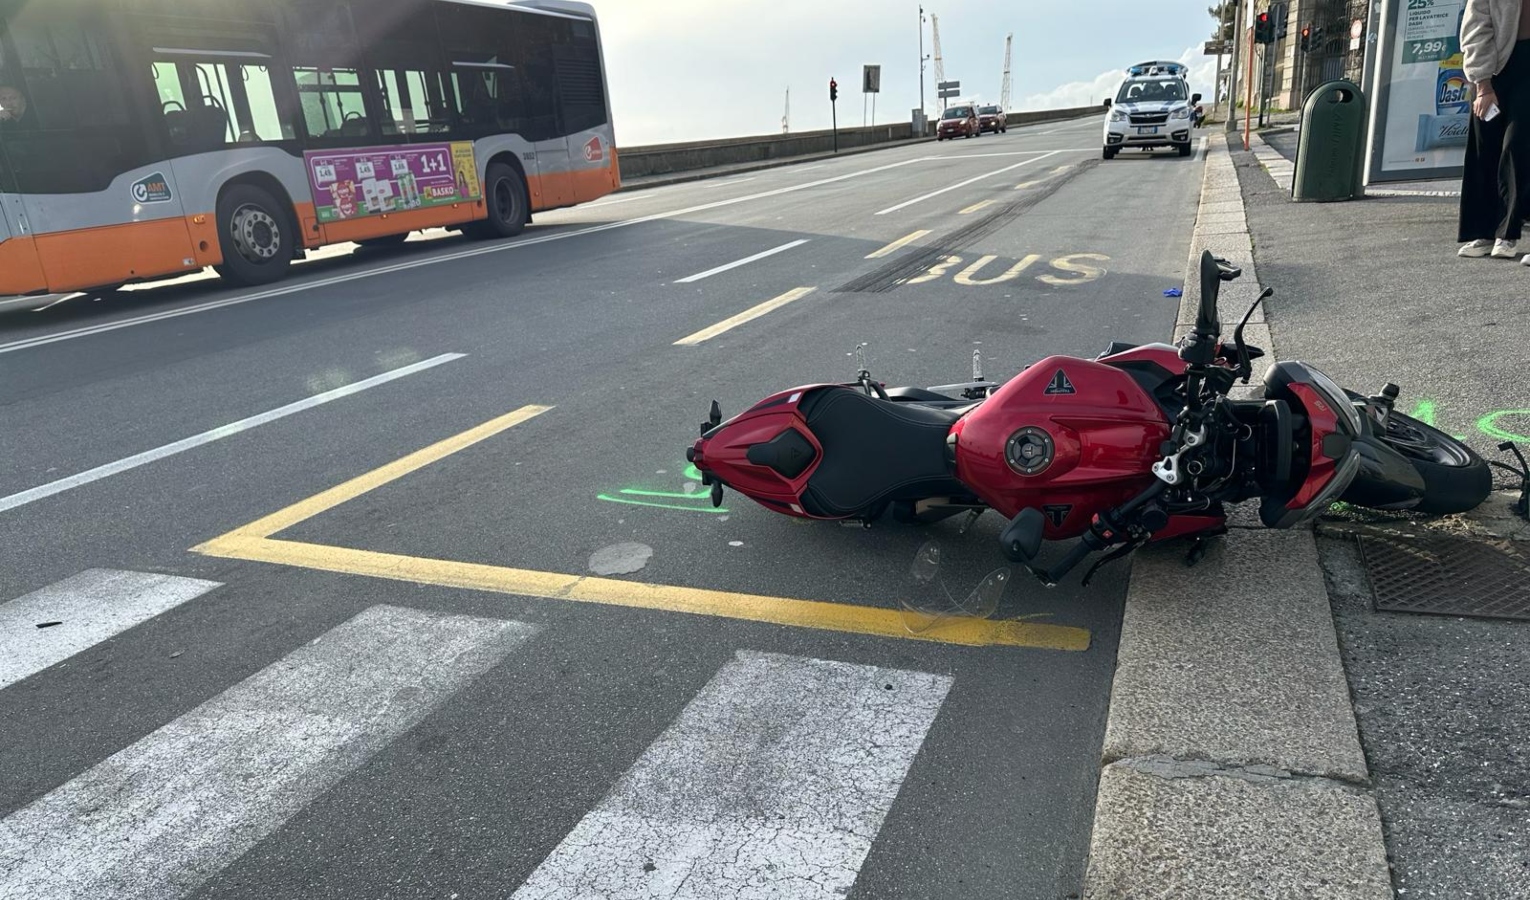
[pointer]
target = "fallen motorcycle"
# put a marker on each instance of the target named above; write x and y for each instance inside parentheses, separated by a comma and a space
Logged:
(1140, 444)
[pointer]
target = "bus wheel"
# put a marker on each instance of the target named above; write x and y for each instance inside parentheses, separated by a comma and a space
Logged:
(504, 192)
(255, 234)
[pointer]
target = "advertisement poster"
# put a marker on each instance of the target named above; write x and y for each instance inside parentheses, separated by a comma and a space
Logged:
(1428, 100)
(368, 181)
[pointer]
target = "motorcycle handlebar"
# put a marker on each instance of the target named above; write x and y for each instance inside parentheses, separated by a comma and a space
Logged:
(1207, 321)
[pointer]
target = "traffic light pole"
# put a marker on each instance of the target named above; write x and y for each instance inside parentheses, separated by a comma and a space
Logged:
(834, 110)
(1248, 103)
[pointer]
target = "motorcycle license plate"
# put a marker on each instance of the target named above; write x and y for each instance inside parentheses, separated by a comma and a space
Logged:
(1147, 130)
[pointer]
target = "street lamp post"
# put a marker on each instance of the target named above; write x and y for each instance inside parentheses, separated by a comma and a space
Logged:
(921, 64)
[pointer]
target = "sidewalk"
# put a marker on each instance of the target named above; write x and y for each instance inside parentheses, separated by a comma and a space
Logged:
(1371, 291)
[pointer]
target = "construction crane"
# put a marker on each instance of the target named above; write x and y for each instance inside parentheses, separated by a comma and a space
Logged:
(1009, 41)
(940, 66)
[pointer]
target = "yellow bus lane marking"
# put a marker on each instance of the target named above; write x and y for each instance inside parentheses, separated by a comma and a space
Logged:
(897, 245)
(748, 315)
(255, 543)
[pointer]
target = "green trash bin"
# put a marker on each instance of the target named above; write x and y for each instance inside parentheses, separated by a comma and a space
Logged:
(1329, 154)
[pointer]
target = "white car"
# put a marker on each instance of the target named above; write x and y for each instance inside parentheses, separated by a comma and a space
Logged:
(1153, 108)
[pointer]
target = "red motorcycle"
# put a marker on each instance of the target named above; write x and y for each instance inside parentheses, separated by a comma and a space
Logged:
(1140, 444)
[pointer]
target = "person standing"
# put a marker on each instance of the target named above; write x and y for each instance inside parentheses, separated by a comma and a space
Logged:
(1495, 183)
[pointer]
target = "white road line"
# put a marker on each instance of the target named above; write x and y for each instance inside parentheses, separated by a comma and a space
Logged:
(726, 183)
(806, 168)
(157, 819)
(83, 610)
(52, 303)
(1205, 143)
(217, 434)
(773, 782)
(609, 202)
(897, 245)
(996, 155)
(962, 184)
(747, 315)
(742, 262)
(435, 260)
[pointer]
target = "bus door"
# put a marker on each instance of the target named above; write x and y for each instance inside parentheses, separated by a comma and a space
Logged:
(20, 270)
(543, 123)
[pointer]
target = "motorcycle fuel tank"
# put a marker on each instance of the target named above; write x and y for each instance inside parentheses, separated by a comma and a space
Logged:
(1066, 436)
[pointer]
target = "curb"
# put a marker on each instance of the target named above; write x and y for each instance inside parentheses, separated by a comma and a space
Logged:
(1232, 765)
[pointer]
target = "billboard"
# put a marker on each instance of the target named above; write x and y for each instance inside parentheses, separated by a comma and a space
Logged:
(1421, 108)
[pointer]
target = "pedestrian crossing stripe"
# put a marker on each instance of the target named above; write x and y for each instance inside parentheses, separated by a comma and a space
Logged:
(159, 818)
(773, 782)
(50, 625)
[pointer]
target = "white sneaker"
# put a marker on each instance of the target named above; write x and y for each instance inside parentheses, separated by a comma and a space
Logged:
(1503, 249)
(1475, 249)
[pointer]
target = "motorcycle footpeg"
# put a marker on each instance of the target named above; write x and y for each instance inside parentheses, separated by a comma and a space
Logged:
(1021, 538)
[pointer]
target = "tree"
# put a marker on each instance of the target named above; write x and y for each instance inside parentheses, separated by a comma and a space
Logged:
(1224, 12)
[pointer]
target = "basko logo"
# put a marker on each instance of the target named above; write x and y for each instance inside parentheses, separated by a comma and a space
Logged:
(152, 189)
(593, 151)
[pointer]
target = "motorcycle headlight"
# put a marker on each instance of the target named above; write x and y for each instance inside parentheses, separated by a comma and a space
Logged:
(1117, 115)
(1180, 113)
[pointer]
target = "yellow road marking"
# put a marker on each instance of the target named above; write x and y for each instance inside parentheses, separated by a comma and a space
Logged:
(840, 617)
(1026, 184)
(254, 542)
(976, 206)
(897, 245)
(747, 315)
(1062, 169)
(304, 510)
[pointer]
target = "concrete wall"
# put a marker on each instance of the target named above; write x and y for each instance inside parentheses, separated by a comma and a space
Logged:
(660, 159)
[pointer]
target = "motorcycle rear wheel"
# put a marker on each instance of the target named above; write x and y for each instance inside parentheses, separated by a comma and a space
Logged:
(1456, 479)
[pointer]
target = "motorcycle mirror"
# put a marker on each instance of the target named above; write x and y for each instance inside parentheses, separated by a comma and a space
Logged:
(1245, 364)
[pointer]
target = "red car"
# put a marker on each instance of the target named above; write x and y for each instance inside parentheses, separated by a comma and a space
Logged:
(992, 118)
(958, 121)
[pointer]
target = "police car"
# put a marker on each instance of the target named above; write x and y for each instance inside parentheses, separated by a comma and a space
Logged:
(1153, 108)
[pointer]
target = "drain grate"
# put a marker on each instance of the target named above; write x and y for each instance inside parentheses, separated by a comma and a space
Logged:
(1448, 576)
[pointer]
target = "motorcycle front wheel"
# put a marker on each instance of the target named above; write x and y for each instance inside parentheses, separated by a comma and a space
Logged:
(1456, 479)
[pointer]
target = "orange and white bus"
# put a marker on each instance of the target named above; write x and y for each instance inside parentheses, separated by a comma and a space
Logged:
(148, 138)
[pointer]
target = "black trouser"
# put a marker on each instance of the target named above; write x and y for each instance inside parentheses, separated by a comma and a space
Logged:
(1496, 179)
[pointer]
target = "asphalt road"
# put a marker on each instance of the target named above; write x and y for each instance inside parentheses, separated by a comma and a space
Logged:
(406, 689)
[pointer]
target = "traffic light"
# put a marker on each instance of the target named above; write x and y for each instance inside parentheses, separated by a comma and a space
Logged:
(1306, 38)
(1317, 38)
(1264, 29)
(1278, 12)
(833, 90)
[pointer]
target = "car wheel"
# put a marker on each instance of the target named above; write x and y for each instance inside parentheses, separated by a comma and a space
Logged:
(256, 235)
(1184, 149)
(1108, 153)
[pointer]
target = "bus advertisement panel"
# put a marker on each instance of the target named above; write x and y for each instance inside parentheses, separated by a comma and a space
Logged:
(373, 180)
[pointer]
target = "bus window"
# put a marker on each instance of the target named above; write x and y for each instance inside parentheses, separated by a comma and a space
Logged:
(579, 83)
(68, 128)
(531, 47)
(69, 76)
(266, 123)
(332, 102)
(414, 100)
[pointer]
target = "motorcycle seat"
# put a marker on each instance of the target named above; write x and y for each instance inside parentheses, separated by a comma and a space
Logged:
(875, 451)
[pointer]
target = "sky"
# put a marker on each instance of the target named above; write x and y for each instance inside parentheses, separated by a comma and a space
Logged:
(682, 70)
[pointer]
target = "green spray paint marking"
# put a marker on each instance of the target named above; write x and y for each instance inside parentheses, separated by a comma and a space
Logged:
(700, 509)
(1488, 425)
(635, 496)
(1424, 412)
